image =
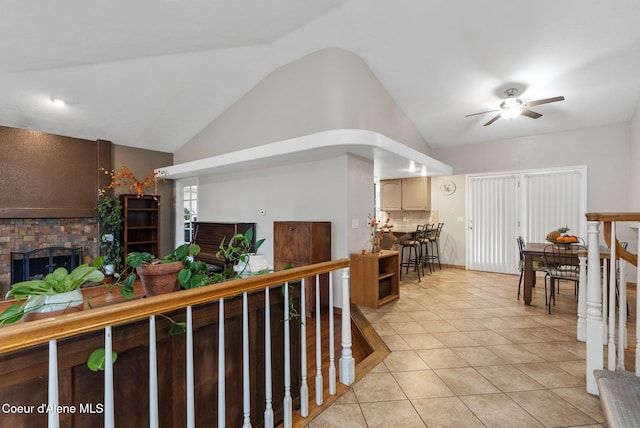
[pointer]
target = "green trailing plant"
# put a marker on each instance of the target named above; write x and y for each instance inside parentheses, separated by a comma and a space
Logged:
(238, 250)
(293, 312)
(193, 274)
(110, 218)
(59, 281)
(97, 358)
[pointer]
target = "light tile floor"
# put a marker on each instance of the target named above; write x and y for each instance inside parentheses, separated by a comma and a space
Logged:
(466, 353)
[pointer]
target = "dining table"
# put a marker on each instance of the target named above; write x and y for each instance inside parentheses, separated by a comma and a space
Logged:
(534, 252)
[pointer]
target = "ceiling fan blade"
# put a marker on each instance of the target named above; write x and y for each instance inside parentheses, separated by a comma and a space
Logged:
(544, 101)
(496, 117)
(482, 112)
(531, 114)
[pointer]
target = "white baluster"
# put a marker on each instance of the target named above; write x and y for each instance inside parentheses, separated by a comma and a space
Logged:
(153, 374)
(319, 397)
(304, 387)
(582, 300)
(347, 363)
(332, 364)
(53, 417)
(622, 315)
(222, 401)
(611, 364)
(109, 410)
(246, 384)
(268, 390)
(594, 309)
(605, 299)
(191, 413)
(288, 402)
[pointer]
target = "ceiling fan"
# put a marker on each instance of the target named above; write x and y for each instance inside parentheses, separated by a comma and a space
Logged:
(513, 107)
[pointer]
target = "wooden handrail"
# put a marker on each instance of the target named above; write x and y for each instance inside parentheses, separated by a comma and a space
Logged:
(24, 335)
(620, 252)
(607, 219)
(613, 216)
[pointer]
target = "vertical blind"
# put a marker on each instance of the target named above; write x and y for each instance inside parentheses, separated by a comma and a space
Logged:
(528, 204)
(553, 200)
(493, 223)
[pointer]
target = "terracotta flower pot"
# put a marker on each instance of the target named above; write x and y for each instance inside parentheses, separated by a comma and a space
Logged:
(160, 278)
(51, 305)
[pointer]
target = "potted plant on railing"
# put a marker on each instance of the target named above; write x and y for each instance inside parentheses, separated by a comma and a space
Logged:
(179, 269)
(58, 293)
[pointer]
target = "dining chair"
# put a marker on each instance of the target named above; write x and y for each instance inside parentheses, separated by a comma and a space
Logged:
(560, 265)
(537, 265)
(624, 246)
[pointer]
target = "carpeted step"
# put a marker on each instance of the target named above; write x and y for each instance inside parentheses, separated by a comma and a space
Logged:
(620, 397)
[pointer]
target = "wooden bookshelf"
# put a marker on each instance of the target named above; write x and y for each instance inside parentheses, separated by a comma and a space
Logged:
(375, 278)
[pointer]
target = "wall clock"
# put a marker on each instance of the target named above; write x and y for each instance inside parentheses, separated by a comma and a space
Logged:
(448, 187)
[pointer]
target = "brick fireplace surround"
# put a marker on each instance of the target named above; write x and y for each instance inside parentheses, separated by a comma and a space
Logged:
(27, 234)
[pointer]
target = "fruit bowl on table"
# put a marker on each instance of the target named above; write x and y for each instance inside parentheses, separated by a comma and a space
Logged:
(564, 241)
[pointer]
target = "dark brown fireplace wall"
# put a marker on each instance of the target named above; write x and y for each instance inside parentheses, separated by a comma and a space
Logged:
(48, 191)
(49, 176)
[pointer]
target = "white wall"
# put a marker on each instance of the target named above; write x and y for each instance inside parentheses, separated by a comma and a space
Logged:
(329, 89)
(324, 190)
(605, 151)
(634, 161)
(450, 210)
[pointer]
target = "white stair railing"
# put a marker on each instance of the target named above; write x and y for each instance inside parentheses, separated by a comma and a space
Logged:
(148, 309)
(606, 297)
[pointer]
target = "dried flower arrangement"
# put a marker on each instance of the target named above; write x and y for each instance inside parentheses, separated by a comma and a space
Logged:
(124, 178)
(377, 230)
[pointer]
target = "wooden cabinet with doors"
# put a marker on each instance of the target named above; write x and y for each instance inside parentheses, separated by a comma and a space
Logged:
(141, 227)
(301, 243)
(409, 194)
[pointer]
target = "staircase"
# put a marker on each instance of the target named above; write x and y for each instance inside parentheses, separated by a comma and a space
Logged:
(603, 317)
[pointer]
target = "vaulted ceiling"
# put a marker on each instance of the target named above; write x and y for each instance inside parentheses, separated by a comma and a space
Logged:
(153, 73)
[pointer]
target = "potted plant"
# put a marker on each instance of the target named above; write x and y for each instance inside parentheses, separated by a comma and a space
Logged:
(243, 254)
(166, 274)
(58, 293)
(109, 217)
(179, 269)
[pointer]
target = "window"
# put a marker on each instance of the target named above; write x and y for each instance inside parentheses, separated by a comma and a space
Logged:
(187, 213)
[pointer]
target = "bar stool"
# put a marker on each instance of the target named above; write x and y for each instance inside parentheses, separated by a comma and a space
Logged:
(414, 247)
(425, 242)
(434, 240)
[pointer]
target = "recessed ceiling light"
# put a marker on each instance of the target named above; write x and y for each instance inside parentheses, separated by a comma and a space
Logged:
(58, 102)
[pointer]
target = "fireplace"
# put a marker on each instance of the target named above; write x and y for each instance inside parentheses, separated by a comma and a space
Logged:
(35, 264)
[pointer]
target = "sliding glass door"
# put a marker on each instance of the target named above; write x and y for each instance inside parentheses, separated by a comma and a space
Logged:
(501, 207)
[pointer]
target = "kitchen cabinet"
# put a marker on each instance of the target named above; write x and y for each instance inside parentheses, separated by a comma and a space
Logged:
(391, 195)
(301, 243)
(408, 194)
(375, 278)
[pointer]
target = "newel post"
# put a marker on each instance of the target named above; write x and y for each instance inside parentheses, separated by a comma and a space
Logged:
(582, 299)
(347, 363)
(595, 336)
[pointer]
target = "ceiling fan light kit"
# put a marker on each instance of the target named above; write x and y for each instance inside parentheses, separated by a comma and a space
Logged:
(513, 107)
